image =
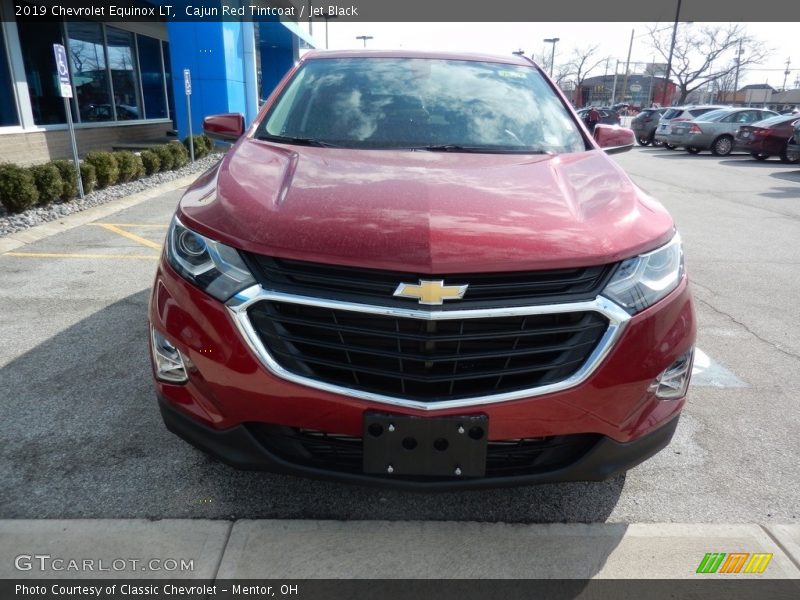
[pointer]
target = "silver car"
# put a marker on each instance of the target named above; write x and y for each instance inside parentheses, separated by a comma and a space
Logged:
(676, 114)
(714, 130)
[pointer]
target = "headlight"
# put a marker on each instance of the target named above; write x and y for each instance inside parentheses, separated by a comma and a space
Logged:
(645, 279)
(215, 268)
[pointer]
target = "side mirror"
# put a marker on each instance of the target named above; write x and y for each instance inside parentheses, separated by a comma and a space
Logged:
(227, 127)
(614, 139)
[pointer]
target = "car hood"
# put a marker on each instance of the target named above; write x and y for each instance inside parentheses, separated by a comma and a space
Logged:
(425, 212)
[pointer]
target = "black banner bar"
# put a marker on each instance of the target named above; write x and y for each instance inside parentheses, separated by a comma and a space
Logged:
(710, 587)
(411, 10)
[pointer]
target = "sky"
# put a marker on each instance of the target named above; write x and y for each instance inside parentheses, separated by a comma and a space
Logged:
(503, 38)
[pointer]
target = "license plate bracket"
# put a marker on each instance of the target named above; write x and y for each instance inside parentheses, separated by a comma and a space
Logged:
(425, 446)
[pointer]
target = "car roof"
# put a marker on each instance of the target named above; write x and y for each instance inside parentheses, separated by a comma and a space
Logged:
(694, 106)
(777, 120)
(511, 59)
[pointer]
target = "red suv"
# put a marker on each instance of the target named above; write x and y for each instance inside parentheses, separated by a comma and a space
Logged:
(420, 270)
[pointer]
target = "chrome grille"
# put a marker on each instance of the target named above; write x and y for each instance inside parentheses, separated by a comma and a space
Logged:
(426, 360)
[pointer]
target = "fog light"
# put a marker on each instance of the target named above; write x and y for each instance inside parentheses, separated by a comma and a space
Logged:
(168, 361)
(673, 382)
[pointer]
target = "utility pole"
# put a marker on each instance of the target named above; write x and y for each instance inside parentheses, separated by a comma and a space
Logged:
(614, 88)
(739, 53)
(786, 73)
(605, 79)
(364, 38)
(671, 51)
(627, 67)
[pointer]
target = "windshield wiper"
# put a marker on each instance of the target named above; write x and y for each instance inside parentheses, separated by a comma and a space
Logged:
(479, 149)
(300, 141)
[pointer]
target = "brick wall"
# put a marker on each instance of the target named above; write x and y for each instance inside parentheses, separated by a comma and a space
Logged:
(41, 146)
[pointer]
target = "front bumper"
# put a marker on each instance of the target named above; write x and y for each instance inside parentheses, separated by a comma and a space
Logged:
(239, 448)
(229, 389)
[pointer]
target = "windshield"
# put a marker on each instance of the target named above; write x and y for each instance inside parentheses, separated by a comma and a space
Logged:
(449, 105)
(671, 113)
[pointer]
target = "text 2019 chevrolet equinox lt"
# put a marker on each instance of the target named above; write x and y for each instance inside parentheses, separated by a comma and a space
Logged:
(419, 270)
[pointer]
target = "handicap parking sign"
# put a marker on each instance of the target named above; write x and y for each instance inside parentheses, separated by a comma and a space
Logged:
(62, 68)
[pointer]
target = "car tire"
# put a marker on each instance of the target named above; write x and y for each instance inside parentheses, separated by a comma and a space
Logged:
(642, 141)
(786, 158)
(669, 146)
(692, 150)
(722, 146)
(759, 155)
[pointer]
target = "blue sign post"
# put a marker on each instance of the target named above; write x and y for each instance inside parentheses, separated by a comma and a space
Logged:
(65, 89)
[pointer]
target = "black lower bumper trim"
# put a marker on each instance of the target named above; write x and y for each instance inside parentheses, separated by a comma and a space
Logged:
(239, 448)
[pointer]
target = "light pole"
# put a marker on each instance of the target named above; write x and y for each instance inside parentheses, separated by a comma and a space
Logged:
(364, 38)
(553, 41)
(671, 50)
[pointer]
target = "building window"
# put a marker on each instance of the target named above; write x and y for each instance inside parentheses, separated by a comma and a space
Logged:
(89, 73)
(8, 106)
(155, 103)
(37, 39)
(105, 64)
(124, 76)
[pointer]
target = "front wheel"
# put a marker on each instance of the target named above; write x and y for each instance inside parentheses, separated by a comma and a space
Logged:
(692, 150)
(722, 146)
(759, 155)
(669, 146)
(643, 140)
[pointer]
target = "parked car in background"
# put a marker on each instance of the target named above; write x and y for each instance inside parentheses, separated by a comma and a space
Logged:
(447, 283)
(770, 137)
(608, 116)
(714, 130)
(677, 114)
(644, 125)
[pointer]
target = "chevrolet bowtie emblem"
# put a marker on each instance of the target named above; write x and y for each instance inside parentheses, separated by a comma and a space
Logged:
(430, 292)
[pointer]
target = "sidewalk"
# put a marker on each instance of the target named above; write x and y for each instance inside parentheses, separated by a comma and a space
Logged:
(383, 549)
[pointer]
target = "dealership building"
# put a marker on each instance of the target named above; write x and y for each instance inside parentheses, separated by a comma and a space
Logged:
(128, 77)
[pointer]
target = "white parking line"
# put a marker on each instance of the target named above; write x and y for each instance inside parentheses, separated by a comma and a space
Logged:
(707, 372)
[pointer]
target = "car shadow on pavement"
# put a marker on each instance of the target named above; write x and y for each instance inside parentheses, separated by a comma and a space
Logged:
(782, 192)
(82, 437)
(681, 153)
(790, 175)
(770, 163)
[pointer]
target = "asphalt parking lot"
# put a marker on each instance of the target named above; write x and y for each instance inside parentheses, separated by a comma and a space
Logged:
(82, 437)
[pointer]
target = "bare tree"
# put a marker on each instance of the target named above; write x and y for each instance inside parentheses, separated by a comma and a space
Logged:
(723, 87)
(581, 64)
(703, 54)
(561, 70)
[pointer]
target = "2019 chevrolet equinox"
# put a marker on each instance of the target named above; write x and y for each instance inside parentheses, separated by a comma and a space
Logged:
(420, 270)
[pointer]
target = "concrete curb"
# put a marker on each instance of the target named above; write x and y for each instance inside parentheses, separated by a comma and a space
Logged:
(386, 549)
(39, 232)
